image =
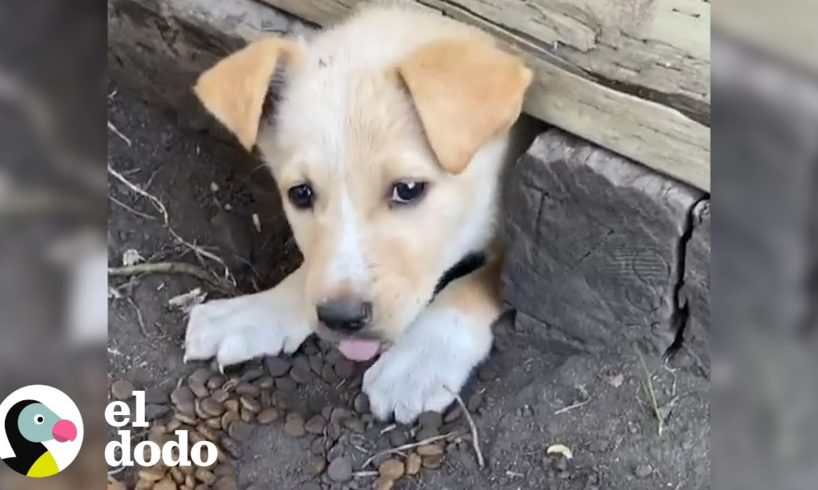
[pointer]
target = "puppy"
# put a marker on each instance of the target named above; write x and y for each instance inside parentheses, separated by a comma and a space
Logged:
(387, 135)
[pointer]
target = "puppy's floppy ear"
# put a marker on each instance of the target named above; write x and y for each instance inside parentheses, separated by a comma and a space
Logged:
(235, 88)
(465, 92)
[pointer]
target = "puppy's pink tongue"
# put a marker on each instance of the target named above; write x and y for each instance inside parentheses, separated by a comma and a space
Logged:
(359, 349)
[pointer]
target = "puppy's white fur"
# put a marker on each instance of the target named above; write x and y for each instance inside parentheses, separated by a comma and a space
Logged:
(389, 96)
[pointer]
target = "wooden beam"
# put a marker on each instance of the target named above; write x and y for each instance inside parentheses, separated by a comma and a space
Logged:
(629, 76)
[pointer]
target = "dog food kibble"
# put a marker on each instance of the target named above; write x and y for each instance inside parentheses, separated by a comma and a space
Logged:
(220, 395)
(209, 433)
(226, 483)
(240, 431)
(315, 425)
(294, 425)
(264, 382)
(181, 394)
(316, 363)
(251, 375)
(211, 407)
(215, 382)
(247, 389)
(198, 388)
(154, 473)
(391, 469)
(267, 416)
(354, 425)
(340, 469)
(177, 475)
(430, 450)
(121, 390)
(384, 484)
(301, 374)
(413, 462)
(231, 447)
(361, 403)
(165, 484)
(205, 476)
(276, 366)
(250, 404)
(475, 401)
(432, 461)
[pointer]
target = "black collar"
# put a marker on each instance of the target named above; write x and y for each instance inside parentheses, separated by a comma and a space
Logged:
(465, 266)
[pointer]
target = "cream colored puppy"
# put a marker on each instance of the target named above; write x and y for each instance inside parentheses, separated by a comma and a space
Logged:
(387, 135)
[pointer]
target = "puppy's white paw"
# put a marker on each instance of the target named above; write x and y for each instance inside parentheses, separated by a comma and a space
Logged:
(427, 367)
(239, 329)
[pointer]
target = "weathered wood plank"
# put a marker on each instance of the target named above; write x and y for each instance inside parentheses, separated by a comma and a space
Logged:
(630, 76)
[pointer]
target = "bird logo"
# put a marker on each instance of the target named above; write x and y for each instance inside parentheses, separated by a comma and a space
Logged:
(36, 428)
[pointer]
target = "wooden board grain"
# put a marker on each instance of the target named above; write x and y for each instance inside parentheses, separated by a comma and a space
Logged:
(629, 75)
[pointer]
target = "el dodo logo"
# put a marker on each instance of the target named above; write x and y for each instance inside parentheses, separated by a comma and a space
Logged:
(41, 431)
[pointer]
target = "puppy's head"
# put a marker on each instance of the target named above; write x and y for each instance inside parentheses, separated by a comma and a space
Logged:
(389, 170)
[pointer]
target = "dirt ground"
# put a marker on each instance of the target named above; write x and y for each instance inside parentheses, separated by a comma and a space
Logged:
(534, 392)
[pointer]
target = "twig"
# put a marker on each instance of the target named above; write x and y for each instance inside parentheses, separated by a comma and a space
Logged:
(650, 392)
(475, 440)
(164, 211)
(139, 318)
(365, 474)
(130, 209)
(410, 445)
(116, 471)
(571, 407)
(170, 268)
(119, 133)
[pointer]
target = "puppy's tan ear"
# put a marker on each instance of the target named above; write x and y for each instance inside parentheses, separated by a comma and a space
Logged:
(465, 92)
(235, 88)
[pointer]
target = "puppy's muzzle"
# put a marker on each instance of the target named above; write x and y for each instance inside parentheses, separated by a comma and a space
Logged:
(345, 314)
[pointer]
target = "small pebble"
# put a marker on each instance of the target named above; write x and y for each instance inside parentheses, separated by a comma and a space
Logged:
(208, 432)
(413, 462)
(310, 485)
(316, 363)
(487, 372)
(154, 473)
(240, 431)
(153, 412)
(276, 366)
(301, 374)
(328, 374)
(397, 437)
(344, 368)
(643, 470)
(295, 425)
(267, 416)
(265, 382)
(430, 420)
(475, 401)
(184, 417)
(252, 374)
(453, 414)
(316, 466)
(354, 425)
(340, 469)
(246, 415)
(232, 405)
(391, 469)
(286, 384)
(156, 396)
(315, 425)
(361, 403)
(426, 433)
(122, 390)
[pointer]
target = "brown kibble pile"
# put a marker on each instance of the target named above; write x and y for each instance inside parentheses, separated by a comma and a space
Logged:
(228, 408)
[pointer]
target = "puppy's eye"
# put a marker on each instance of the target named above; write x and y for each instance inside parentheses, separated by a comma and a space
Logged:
(301, 196)
(408, 192)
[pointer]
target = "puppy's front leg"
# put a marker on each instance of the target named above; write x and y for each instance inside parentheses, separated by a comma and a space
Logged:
(433, 359)
(235, 330)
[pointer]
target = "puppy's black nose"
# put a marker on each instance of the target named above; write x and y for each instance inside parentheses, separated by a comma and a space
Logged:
(344, 314)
